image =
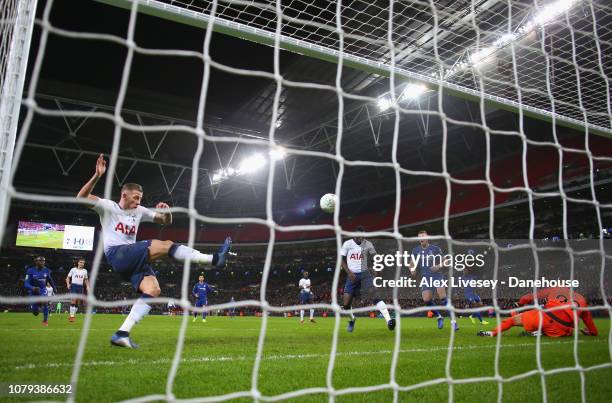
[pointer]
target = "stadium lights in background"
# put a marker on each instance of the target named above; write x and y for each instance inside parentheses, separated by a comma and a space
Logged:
(543, 16)
(248, 165)
(411, 91)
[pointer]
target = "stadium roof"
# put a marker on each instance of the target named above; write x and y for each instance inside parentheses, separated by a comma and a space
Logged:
(85, 75)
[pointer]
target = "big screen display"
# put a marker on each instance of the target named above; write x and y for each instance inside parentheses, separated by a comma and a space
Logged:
(55, 236)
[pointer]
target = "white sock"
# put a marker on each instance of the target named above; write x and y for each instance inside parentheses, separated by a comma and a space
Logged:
(76, 308)
(311, 313)
(140, 309)
(72, 310)
(301, 314)
(382, 307)
(351, 314)
(183, 252)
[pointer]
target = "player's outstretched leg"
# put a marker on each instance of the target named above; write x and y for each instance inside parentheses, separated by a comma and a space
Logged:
(182, 253)
(312, 316)
(301, 316)
(505, 325)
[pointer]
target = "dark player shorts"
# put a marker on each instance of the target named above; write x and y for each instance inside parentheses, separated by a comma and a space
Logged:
(201, 303)
(130, 261)
(76, 289)
(363, 282)
(305, 298)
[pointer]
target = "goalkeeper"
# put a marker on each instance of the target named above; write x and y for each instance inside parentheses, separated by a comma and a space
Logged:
(131, 259)
(564, 294)
(553, 323)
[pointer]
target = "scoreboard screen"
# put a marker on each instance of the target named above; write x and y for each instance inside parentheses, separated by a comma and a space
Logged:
(55, 236)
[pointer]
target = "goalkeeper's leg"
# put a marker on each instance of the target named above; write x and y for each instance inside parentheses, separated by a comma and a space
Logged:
(506, 324)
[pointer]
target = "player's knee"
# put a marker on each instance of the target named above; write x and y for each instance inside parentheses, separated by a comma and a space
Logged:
(153, 290)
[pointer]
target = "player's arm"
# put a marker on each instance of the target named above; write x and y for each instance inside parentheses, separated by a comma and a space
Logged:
(587, 318)
(526, 299)
(52, 282)
(193, 291)
(86, 190)
(68, 280)
(27, 284)
(349, 273)
(164, 218)
(438, 266)
(86, 282)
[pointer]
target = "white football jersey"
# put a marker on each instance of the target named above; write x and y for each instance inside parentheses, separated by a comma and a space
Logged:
(355, 254)
(304, 285)
(122, 225)
(50, 291)
(77, 276)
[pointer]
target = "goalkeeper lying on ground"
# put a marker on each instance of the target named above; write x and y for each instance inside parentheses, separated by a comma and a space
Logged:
(555, 323)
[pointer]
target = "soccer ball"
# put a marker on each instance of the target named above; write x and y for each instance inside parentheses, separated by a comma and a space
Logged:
(328, 202)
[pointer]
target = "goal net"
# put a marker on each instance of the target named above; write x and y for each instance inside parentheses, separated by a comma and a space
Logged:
(543, 61)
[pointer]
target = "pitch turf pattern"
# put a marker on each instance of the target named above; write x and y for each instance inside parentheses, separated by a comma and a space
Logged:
(43, 239)
(219, 355)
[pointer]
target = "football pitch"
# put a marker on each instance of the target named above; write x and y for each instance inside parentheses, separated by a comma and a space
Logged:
(42, 239)
(219, 355)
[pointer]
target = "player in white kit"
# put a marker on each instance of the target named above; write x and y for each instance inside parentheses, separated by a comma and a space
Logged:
(356, 255)
(132, 259)
(78, 283)
(305, 296)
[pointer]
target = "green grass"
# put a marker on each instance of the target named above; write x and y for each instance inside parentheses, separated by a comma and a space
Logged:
(218, 358)
(46, 239)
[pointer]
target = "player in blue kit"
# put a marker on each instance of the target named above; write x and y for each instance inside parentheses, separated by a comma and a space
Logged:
(200, 292)
(428, 258)
(36, 280)
(471, 298)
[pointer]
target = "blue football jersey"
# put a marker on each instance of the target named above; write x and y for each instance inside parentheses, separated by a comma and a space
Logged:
(38, 278)
(426, 260)
(201, 290)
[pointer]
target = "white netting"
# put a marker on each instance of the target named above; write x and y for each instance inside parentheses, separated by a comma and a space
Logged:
(578, 93)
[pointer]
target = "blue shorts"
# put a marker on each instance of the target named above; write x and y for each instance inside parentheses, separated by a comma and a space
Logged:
(363, 282)
(201, 303)
(130, 261)
(430, 277)
(305, 298)
(76, 289)
(34, 306)
(472, 298)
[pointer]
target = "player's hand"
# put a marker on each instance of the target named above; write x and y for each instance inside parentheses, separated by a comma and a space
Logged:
(100, 166)
(352, 277)
(162, 205)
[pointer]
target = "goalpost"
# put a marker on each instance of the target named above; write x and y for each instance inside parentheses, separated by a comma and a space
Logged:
(499, 53)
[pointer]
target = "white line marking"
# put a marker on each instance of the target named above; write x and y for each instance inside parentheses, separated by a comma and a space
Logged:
(285, 356)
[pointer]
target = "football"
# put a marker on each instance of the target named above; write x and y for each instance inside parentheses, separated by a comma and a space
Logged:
(328, 202)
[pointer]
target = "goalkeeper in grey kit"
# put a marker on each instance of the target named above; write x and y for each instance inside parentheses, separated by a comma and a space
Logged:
(356, 256)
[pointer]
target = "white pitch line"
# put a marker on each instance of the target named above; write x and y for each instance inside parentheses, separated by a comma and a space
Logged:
(283, 356)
